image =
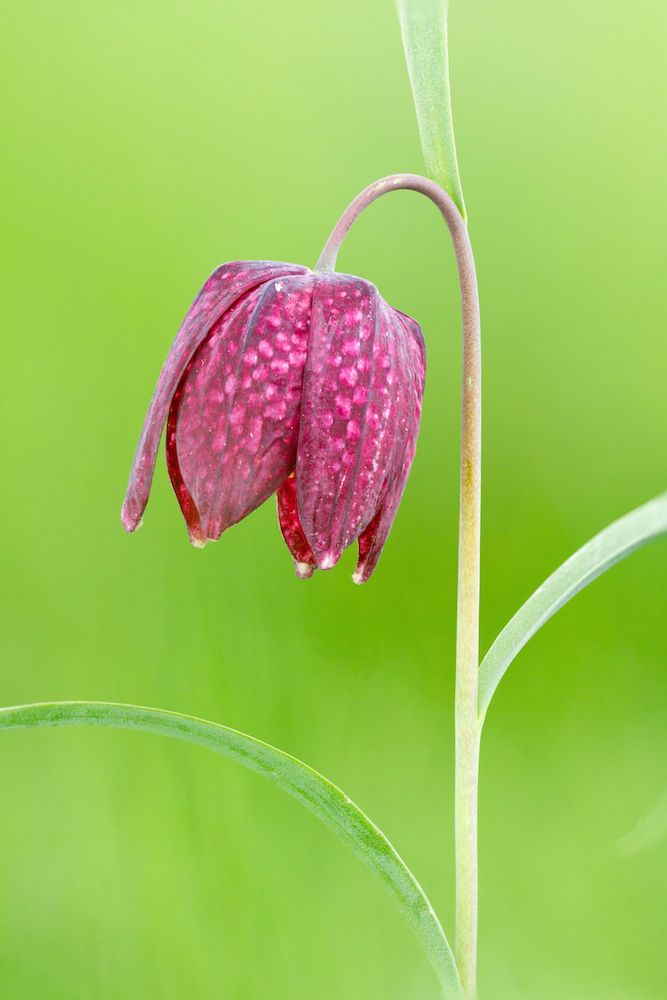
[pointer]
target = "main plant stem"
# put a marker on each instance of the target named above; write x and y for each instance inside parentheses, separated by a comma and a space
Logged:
(467, 636)
(467, 630)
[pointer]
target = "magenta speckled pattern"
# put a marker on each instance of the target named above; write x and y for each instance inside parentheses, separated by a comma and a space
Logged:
(411, 358)
(220, 290)
(284, 380)
(238, 408)
(361, 396)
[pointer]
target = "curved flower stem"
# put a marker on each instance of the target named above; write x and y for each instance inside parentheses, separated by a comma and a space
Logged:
(467, 629)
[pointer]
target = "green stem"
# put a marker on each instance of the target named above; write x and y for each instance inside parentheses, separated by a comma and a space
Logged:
(467, 636)
(424, 32)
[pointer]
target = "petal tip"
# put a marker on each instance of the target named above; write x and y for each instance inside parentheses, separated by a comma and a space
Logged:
(328, 561)
(197, 541)
(129, 521)
(304, 570)
(358, 578)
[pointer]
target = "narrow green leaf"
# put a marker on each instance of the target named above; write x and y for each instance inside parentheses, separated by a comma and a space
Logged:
(424, 31)
(649, 831)
(616, 542)
(327, 801)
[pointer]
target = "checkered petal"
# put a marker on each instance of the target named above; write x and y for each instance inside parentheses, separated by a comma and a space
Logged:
(234, 419)
(363, 378)
(412, 360)
(222, 289)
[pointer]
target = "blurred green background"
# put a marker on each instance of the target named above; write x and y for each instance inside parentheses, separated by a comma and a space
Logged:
(145, 142)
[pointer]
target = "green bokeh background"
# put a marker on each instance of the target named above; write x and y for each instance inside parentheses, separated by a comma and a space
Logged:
(144, 143)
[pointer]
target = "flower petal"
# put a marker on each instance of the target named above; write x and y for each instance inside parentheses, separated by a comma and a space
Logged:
(224, 286)
(236, 410)
(305, 563)
(361, 371)
(412, 358)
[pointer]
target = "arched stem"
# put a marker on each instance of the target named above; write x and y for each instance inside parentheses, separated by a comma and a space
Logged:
(467, 629)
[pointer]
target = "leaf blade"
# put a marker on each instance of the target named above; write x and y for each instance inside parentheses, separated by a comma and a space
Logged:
(323, 798)
(604, 550)
(424, 32)
(650, 830)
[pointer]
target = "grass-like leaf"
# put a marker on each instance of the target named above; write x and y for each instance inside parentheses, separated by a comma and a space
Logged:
(323, 798)
(649, 831)
(424, 31)
(616, 542)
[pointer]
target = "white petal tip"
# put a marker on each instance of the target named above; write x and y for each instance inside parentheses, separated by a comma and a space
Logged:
(327, 563)
(304, 570)
(128, 524)
(357, 578)
(198, 543)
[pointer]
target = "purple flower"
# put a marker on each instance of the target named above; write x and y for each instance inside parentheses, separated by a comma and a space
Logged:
(283, 379)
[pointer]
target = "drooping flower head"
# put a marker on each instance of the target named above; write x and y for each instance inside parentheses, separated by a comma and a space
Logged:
(283, 379)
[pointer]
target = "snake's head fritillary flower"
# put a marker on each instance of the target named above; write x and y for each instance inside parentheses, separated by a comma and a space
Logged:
(284, 379)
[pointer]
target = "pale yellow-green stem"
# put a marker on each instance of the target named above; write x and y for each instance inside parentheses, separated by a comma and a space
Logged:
(467, 635)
